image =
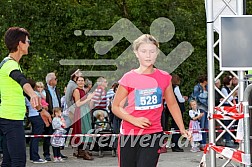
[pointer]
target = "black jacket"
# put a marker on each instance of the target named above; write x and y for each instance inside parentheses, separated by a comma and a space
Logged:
(49, 99)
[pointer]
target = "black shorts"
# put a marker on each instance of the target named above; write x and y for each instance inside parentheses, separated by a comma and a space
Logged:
(140, 151)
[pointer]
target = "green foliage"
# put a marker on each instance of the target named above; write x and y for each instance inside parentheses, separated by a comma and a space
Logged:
(51, 24)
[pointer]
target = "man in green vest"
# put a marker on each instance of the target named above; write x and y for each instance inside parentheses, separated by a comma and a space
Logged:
(12, 108)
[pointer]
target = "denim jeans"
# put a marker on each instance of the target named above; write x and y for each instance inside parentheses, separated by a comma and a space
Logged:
(37, 129)
(226, 135)
(204, 125)
(14, 151)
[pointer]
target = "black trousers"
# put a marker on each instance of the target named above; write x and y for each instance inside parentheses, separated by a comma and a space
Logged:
(14, 151)
(164, 121)
(139, 151)
(56, 152)
(46, 143)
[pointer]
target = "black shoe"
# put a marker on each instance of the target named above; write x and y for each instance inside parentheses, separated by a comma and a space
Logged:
(63, 156)
(47, 158)
(177, 150)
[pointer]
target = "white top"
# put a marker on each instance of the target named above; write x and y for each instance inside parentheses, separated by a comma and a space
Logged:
(225, 93)
(178, 94)
(193, 113)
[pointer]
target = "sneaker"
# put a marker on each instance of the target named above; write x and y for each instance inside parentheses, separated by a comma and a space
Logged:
(47, 158)
(63, 156)
(198, 149)
(193, 150)
(56, 160)
(40, 161)
(60, 159)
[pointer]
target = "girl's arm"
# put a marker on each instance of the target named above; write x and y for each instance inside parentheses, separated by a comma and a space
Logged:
(43, 94)
(195, 116)
(118, 110)
(174, 110)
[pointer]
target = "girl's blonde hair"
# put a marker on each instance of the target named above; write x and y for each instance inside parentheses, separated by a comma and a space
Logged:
(39, 84)
(56, 110)
(145, 38)
(191, 101)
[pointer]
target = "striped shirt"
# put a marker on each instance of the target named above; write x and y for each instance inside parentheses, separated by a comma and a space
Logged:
(100, 99)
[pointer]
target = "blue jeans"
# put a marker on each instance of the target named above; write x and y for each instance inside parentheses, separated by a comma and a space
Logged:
(37, 129)
(14, 151)
(204, 125)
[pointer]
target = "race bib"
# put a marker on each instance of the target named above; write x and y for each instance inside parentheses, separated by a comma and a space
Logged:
(148, 99)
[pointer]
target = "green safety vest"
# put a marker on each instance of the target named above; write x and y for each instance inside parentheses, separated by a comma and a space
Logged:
(12, 99)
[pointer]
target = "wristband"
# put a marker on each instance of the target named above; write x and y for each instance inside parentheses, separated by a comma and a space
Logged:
(40, 109)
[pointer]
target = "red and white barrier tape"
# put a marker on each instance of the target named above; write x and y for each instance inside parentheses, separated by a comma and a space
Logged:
(226, 112)
(229, 153)
(115, 135)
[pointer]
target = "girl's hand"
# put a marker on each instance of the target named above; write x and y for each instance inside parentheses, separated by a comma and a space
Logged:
(141, 122)
(186, 134)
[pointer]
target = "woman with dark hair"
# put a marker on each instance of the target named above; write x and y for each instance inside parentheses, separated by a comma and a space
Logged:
(200, 94)
(226, 89)
(82, 118)
(12, 110)
(181, 102)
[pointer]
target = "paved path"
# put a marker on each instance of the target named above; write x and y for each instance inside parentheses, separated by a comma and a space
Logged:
(169, 159)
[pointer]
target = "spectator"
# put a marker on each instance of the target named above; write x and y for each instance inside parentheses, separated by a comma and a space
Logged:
(88, 85)
(74, 73)
(82, 118)
(12, 109)
(235, 82)
(194, 125)
(53, 99)
(111, 92)
(65, 114)
(181, 102)
(99, 100)
(226, 90)
(63, 102)
(218, 97)
(200, 94)
(37, 129)
(110, 95)
(58, 124)
(101, 122)
(39, 89)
